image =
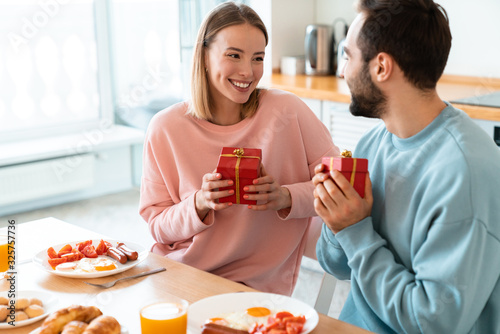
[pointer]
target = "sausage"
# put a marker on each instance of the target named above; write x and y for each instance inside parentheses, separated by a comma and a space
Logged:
(132, 255)
(211, 328)
(117, 254)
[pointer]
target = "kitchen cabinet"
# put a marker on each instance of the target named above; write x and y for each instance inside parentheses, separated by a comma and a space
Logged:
(346, 129)
(314, 105)
(329, 97)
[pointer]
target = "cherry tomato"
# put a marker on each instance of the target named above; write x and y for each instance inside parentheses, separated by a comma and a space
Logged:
(70, 257)
(300, 319)
(52, 253)
(54, 262)
(83, 244)
(257, 329)
(102, 248)
(89, 251)
(277, 331)
(294, 327)
(275, 323)
(66, 249)
(78, 254)
(284, 314)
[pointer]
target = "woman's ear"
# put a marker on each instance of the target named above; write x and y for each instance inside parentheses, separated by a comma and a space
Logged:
(383, 66)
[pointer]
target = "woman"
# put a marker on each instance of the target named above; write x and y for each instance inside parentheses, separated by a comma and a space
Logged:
(258, 245)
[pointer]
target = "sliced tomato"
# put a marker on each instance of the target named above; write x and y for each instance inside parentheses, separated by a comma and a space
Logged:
(52, 253)
(284, 314)
(81, 245)
(277, 331)
(54, 262)
(66, 249)
(275, 323)
(78, 254)
(70, 257)
(89, 251)
(294, 327)
(300, 319)
(257, 329)
(102, 248)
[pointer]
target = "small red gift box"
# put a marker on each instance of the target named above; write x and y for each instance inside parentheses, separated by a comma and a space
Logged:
(242, 165)
(354, 169)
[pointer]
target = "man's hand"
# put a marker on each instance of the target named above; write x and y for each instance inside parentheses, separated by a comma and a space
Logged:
(336, 201)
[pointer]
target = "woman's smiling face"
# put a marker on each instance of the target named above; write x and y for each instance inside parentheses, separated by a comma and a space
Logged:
(235, 64)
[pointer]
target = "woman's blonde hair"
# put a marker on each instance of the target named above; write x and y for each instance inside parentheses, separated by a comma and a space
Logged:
(224, 15)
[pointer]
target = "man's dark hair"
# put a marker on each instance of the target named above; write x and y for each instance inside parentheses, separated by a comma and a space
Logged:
(415, 32)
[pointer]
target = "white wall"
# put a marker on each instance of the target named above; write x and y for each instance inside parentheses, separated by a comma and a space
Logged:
(475, 27)
(286, 22)
(263, 8)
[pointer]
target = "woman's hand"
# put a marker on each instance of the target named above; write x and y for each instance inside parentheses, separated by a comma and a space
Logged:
(269, 192)
(206, 198)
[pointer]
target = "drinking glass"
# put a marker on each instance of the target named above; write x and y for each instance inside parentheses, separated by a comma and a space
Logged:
(168, 315)
(4, 263)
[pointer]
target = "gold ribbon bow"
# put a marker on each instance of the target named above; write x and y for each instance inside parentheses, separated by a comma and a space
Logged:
(238, 153)
(347, 154)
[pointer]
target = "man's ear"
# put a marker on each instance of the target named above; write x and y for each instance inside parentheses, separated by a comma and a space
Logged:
(382, 67)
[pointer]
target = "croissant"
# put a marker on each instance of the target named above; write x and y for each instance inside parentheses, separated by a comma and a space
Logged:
(103, 325)
(55, 322)
(74, 327)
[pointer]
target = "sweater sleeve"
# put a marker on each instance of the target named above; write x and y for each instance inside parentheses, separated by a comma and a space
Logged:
(170, 222)
(331, 256)
(171, 219)
(317, 143)
(441, 293)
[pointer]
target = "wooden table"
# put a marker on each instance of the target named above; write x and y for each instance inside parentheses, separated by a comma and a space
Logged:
(124, 299)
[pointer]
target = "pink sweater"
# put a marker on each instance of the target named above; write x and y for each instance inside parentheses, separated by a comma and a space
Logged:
(260, 249)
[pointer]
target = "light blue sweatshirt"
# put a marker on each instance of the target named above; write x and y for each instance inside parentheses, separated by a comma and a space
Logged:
(428, 258)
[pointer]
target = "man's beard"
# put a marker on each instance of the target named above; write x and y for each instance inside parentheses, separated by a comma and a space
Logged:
(367, 100)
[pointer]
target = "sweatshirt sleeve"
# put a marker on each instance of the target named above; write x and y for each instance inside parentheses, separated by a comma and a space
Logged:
(331, 256)
(170, 222)
(171, 219)
(317, 143)
(446, 288)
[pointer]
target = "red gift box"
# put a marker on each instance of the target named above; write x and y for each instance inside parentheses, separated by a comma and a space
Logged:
(354, 169)
(242, 165)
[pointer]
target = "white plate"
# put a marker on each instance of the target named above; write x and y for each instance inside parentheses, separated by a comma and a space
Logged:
(49, 306)
(41, 259)
(202, 310)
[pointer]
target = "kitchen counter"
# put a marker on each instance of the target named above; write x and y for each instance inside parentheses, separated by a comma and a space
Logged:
(335, 89)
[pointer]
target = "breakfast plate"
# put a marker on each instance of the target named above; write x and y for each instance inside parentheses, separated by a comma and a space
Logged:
(49, 306)
(41, 259)
(219, 305)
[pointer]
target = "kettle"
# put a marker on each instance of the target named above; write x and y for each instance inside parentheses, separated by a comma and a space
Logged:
(319, 49)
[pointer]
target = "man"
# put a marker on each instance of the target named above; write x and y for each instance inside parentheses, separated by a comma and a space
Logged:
(421, 248)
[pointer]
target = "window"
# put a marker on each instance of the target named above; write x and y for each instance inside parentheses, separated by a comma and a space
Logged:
(49, 68)
(152, 42)
(69, 65)
(146, 58)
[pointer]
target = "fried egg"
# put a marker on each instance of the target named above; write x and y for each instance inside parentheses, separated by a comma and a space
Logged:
(87, 265)
(244, 320)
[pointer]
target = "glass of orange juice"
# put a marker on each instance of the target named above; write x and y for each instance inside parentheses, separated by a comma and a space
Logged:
(4, 263)
(165, 316)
